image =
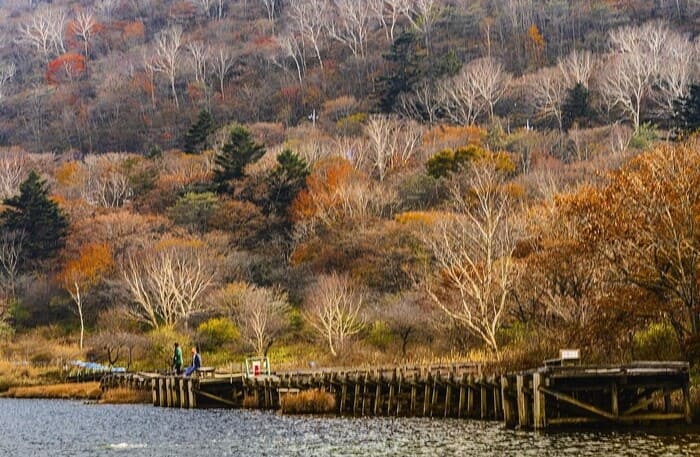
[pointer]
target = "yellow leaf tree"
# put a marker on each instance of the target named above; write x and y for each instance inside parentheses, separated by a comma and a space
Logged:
(82, 273)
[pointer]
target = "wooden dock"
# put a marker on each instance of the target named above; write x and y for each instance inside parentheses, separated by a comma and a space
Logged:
(639, 393)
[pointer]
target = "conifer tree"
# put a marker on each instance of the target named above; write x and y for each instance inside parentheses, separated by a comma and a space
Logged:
(40, 220)
(575, 106)
(686, 115)
(239, 151)
(285, 181)
(196, 136)
(405, 60)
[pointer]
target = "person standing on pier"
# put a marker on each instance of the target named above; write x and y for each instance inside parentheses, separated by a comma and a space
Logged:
(177, 359)
(196, 361)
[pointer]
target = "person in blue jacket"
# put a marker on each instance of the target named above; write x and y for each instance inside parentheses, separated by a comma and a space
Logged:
(196, 362)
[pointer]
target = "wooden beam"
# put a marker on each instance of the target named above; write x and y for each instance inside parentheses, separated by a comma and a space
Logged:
(571, 400)
(645, 401)
(215, 398)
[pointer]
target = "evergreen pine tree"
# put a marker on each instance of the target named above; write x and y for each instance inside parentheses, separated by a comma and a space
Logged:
(575, 106)
(239, 151)
(686, 111)
(406, 60)
(38, 218)
(196, 136)
(285, 181)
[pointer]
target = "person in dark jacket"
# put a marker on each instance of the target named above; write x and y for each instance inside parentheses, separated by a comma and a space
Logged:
(177, 359)
(196, 361)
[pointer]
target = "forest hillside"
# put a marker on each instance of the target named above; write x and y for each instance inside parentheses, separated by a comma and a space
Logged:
(349, 181)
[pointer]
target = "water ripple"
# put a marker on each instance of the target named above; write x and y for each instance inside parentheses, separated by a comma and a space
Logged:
(61, 428)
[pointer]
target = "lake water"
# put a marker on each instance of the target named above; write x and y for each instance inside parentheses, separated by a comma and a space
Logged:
(63, 428)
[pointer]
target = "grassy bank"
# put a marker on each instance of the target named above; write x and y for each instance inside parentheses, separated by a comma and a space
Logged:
(123, 396)
(308, 402)
(68, 391)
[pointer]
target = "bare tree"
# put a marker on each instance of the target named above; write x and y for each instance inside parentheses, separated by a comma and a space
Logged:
(309, 19)
(388, 13)
(577, 67)
(222, 62)
(349, 24)
(423, 103)
(547, 89)
(206, 7)
(106, 8)
(459, 99)
(7, 72)
(676, 73)
(272, 9)
(334, 307)
(10, 254)
(490, 81)
(393, 143)
(13, 167)
(167, 285)
(406, 317)
(473, 251)
(220, 8)
(83, 28)
(261, 316)
(643, 57)
(291, 45)
(167, 47)
(107, 183)
(475, 90)
(423, 15)
(149, 70)
(45, 30)
(199, 57)
(626, 83)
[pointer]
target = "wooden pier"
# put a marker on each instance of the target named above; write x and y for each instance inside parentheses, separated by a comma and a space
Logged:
(550, 396)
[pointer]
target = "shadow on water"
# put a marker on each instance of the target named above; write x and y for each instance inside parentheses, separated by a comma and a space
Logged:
(58, 428)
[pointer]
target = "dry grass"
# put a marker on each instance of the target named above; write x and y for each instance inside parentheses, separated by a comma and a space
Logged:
(308, 402)
(72, 391)
(250, 402)
(123, 396)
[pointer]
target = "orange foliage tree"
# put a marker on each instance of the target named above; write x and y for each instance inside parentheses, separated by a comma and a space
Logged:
(67, 67)
(82, 273)
(649, 216)
(535, 44)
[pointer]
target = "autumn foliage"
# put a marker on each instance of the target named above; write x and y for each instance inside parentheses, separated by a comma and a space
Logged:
(66, 68)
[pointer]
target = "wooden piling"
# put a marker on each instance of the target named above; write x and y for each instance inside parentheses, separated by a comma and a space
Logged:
(483, 394)
(161, 392)
(191, 397)
(539, 416)
(343, 394)
(687, 412)
(426, 396)
(523, 401)
(462, 396)
(471, 391)
(509, 406)
(364, 393)
(414, 394)
(356, 397)
(614, 399)
(154, 393)
(378, 398)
